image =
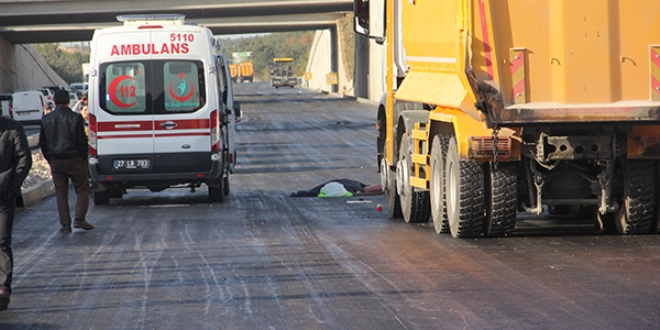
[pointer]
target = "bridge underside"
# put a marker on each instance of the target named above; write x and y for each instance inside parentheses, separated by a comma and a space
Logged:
(41, 21)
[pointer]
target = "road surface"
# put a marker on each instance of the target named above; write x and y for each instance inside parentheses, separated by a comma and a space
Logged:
(264, 260)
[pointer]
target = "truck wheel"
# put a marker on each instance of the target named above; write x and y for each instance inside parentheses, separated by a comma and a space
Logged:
(437, 193)
(216, 194)
(101, 197)
(501, 195)
(655, 226)
(638, 204)
(464, 187)
(415, 205)
(389, 188)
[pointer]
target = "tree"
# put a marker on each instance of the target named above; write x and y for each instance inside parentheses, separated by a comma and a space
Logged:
(66, 62)
(267, 47)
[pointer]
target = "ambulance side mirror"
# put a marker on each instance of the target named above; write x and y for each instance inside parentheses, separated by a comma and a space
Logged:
(238, 114)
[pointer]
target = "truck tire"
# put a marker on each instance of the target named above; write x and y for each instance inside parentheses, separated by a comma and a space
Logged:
(437, 186)
(464, 187)
(101, 197)
(501, 196)
(655, 227)
(387, 179)
(415, 205)
(638, 205)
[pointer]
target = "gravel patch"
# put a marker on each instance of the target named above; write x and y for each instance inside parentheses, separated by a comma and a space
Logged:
(39, 172)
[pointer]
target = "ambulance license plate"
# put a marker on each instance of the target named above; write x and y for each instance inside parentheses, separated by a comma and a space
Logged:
(130, 164)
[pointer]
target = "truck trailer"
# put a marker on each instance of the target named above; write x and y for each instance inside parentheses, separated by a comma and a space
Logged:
(495, 107)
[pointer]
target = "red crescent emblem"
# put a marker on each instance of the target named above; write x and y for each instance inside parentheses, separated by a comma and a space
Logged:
(185, 97)
(112, 92)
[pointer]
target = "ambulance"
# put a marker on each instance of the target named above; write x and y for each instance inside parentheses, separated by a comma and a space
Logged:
(161, 109)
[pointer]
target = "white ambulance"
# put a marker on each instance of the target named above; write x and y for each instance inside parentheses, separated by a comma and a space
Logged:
(161, 110)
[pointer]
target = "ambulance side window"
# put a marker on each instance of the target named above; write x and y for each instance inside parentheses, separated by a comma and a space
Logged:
(123, 85)
(184, 86)
(222, 90)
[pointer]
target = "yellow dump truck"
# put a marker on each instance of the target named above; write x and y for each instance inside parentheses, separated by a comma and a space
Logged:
(495, 107)
(245, 72)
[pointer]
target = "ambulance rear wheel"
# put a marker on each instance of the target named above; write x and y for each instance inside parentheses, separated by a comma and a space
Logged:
(216, 194)
(116, 192)
(464, 189)
(225, 185)
(101, 197)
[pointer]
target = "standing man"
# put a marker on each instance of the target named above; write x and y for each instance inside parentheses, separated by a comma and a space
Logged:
(63, 143)
(15, 164)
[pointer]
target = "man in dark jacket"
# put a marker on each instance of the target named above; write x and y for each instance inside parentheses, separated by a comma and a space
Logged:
(63, 143)
(15, 164)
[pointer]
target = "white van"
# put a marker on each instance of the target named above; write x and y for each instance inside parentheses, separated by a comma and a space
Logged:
(161, 110)
(5, 105)
(28, 106)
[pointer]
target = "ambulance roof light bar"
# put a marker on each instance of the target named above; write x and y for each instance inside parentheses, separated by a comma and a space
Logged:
(142, 19)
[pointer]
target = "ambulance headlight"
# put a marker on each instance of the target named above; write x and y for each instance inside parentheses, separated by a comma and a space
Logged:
(215, 157)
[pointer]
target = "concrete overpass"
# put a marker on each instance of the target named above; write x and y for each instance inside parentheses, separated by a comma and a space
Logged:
(43, 21)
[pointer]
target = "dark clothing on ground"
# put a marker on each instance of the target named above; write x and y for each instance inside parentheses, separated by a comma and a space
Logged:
(64, 144)
(15, 164)
(350, 186)
(63, 135)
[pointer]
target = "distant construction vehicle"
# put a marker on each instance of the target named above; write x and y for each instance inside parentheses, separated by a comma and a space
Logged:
(281, 74)
(245, 72)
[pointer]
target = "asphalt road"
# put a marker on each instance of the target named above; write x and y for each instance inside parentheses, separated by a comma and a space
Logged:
(263, 260)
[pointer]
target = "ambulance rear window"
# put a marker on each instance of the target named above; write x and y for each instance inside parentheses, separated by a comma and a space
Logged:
(152, 87)
(124, 88)
(182, 86)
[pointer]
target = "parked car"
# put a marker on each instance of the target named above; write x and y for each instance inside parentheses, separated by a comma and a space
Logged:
(5, 105)
(73, 99)
(48, 94)
(28, 106)
(54, 88)
(78, 86)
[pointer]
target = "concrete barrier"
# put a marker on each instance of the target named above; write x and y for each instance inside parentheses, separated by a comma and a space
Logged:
(36, 194)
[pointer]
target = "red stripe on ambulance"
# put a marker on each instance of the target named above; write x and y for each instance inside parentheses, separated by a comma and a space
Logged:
(123, 126)
(184, 124)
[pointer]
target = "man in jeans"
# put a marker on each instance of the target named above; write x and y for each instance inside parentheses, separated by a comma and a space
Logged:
(15, 164)
(63, 143)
